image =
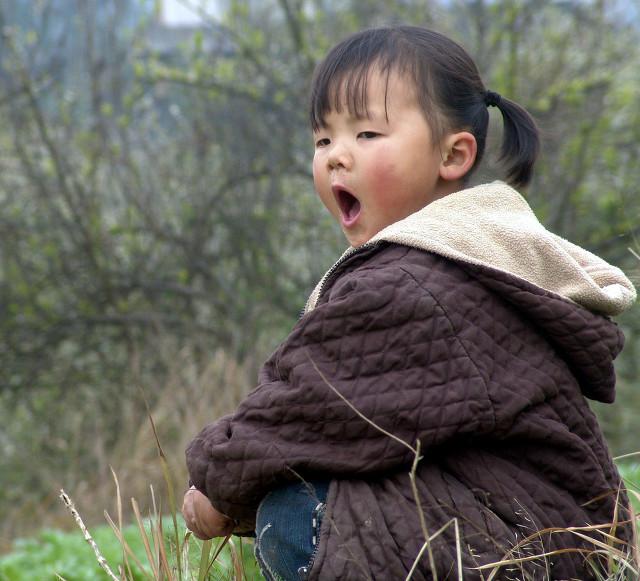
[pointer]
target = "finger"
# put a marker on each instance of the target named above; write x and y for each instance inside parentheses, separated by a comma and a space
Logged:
(187, 508)
(202, 519)
(199, 535)
(189, 513)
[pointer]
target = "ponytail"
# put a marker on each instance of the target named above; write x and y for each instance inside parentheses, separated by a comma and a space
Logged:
(520, 140)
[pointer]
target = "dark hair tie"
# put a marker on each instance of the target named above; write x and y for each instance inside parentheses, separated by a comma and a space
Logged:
(492, 99)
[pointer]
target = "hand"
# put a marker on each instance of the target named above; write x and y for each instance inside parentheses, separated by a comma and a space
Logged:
(204, 521)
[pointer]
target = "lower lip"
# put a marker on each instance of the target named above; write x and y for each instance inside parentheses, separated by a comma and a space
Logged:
(349, 222)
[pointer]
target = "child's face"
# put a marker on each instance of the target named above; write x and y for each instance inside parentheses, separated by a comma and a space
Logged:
(372, 172)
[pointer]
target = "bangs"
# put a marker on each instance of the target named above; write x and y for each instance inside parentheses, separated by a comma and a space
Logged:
(341, 80)
(346, 89)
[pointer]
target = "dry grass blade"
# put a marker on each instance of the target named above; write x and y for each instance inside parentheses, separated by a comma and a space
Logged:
(154, 522)
(611, 539)
(613, 572)
(87, 536)
(157, 535)
(357, 411)
(120, 537)
(186, 572)
(217, 554)
(118, 533)
(614, 554)
(145, 539)
(164, 566)
(444, 527)
(170, 490)
(456, 526)
(417, 560)
(635, 518)
(548, 531)
(236, 561)
(630, 455)
(418, 501)
(203, 568)
(610, 553)
(241, 544)
(517, 561)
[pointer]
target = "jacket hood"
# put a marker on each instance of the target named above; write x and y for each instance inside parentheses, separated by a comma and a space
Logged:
(587, 341)
(492, 225)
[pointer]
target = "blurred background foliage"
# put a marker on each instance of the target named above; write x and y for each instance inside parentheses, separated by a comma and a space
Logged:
(159, 232)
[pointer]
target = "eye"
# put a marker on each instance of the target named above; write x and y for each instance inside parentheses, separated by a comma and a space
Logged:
(368, 134)
(322, 142)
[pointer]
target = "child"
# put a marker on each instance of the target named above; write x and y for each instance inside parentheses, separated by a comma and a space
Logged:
(455, 321)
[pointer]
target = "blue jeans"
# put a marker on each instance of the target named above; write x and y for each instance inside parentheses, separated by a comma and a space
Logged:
(288, 529)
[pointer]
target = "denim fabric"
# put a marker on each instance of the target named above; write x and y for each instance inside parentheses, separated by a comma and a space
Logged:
(287, 529)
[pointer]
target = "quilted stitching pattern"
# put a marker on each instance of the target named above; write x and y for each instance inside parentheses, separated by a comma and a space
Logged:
(485, 369)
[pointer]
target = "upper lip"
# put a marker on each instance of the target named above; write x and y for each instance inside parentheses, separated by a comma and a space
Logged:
(337, 187)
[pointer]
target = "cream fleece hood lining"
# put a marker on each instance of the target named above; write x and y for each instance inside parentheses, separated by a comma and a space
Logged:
(492, 225)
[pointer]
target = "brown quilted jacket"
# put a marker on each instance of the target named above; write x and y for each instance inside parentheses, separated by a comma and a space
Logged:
(489, 372)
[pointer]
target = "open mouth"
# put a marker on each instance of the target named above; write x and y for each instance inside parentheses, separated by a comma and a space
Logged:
(349, 206)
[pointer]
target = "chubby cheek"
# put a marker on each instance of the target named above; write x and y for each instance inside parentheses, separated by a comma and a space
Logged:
(384, 179)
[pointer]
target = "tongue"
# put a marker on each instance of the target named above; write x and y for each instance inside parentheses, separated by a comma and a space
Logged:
(350, 206)
(353, 209)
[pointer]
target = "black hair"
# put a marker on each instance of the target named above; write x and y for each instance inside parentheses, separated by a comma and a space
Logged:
(449, 89)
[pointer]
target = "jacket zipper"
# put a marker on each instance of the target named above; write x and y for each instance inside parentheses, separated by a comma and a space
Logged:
(328, 275)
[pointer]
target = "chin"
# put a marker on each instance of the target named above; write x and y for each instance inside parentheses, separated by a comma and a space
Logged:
(355, 242)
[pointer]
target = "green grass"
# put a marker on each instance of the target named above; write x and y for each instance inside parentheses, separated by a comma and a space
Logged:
(630, 471)
(67, 554)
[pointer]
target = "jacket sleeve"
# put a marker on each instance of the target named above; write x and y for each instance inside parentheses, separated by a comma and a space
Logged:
(381, 341)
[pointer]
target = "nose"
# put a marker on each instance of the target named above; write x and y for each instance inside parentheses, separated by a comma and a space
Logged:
(340, 156)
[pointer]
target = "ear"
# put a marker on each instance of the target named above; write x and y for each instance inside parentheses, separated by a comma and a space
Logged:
(458, 155)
